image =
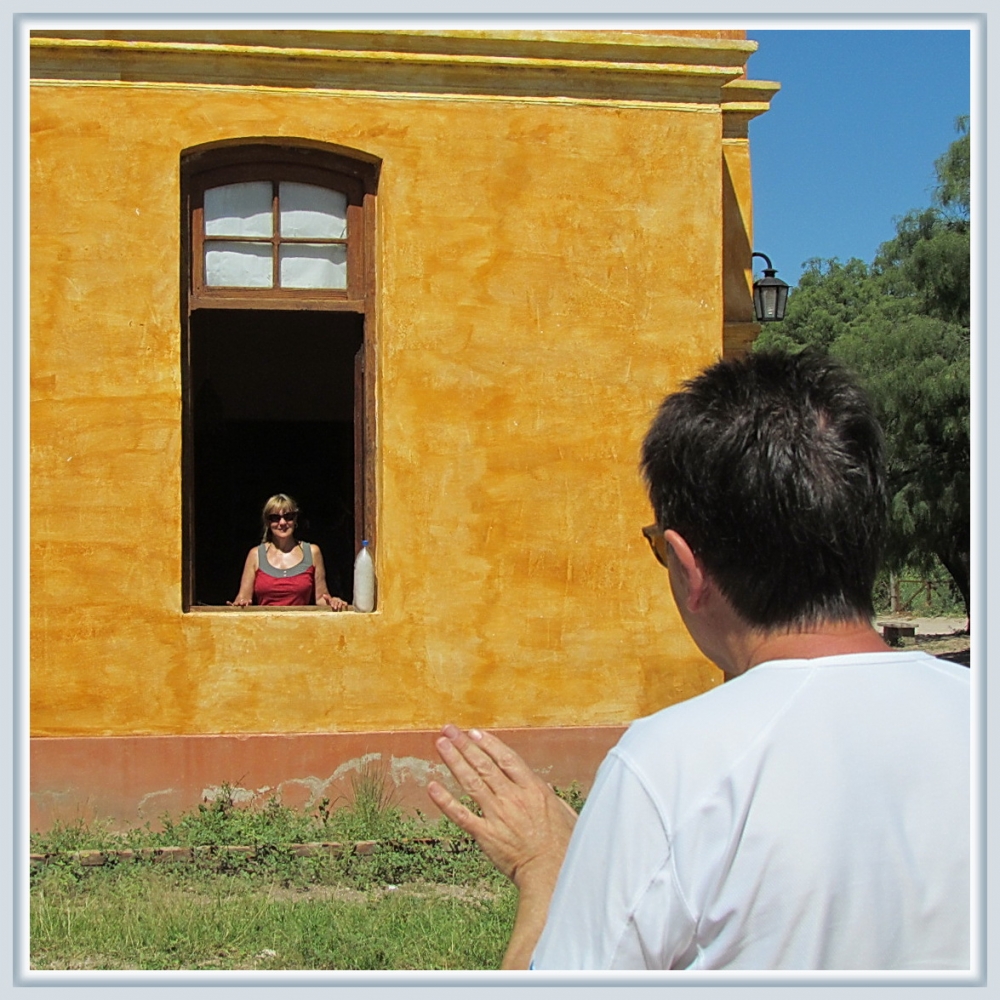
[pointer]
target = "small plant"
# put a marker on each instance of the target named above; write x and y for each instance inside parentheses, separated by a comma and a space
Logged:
(74, 836)
(323, 811)
(572, 794)
(372, 797)
(372, 812)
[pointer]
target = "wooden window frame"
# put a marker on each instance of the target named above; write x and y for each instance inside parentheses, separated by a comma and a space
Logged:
(221, 297)
(355, 174)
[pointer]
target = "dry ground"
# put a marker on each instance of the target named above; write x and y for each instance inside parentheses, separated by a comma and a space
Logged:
(944, 637)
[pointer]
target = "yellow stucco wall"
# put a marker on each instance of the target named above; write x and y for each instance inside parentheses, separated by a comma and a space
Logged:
(547, 271)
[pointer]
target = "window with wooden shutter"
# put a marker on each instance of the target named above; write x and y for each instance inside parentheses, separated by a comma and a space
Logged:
(278, 290)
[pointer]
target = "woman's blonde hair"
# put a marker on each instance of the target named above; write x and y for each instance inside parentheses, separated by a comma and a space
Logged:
(280, 503)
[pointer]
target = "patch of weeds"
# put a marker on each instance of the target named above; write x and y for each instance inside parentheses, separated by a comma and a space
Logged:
(77, 835)
(408, 848)
(572, 794)
(223, 821)
(373, 812)
(58, 876)
(395, 862)
(217, 822)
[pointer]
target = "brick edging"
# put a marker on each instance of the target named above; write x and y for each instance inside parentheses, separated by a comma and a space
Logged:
(336, 849)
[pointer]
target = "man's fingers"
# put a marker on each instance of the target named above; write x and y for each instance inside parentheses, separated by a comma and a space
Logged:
(477, 760)
(490, 757)
(506, 760)
(518, 825)
(468, 777)
(463, 818)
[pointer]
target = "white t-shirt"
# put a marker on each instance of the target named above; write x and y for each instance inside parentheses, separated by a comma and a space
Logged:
(808, 814)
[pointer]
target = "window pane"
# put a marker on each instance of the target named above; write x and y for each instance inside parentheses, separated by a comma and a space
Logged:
(308, 265)
(311, 212)
(239, 209)
(238, 265)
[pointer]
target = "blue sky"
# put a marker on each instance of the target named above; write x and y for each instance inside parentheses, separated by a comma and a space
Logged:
(851, 138)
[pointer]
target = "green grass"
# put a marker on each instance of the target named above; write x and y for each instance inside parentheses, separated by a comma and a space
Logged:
(425, 897)
(140, 916)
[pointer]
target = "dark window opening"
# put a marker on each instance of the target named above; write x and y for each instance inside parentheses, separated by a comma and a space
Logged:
(277, 352)
(274, 410)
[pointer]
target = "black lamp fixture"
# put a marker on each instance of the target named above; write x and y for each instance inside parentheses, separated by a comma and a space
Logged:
(770, 294)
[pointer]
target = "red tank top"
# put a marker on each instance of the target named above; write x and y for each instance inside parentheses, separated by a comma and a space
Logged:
(285, 587)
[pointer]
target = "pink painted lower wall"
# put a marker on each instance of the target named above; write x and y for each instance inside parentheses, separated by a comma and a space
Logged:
(131, 780)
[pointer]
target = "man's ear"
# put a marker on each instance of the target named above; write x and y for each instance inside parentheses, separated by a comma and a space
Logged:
(684, 562)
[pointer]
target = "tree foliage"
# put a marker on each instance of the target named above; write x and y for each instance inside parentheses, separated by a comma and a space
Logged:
(903, 324)
(952, 171)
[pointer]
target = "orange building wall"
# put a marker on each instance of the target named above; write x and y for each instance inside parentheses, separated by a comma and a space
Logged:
(547, 270)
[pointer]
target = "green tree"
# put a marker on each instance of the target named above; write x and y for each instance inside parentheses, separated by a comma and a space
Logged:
(903, 325)
(917, 368)
(929, 258)
(952, 171)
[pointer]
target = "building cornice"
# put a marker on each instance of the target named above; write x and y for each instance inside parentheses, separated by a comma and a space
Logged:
(743, 100)
(595, 65)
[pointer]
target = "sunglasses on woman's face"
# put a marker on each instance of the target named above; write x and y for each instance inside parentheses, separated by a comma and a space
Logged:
(275, 518)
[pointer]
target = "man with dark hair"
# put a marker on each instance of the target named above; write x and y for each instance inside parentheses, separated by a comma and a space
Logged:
(772, 471)
(814, 813)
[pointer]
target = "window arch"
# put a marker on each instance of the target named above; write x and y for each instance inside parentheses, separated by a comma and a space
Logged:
(278, 302)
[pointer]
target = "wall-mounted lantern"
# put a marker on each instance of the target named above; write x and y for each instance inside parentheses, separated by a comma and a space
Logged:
(770, 294)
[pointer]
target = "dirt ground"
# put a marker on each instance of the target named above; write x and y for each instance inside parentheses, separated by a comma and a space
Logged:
(943, 637)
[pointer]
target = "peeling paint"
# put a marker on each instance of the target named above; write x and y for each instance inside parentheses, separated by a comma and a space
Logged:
(239, 795)
(416, 769)
(50, 794)
(152, 795)
(108, 777)
(317, 788)
(400, 771)
(355, 764)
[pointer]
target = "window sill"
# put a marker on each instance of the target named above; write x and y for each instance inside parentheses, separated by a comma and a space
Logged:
(306, 609)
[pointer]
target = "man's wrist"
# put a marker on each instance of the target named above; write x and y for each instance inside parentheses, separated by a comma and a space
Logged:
(538, 876)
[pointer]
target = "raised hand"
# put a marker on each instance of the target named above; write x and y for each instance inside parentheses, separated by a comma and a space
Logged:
(524, 829)
(524, 825)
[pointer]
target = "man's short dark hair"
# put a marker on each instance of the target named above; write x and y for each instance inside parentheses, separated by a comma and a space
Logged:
(771, 467)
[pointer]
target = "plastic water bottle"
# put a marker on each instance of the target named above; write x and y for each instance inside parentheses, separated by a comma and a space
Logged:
(364, 580)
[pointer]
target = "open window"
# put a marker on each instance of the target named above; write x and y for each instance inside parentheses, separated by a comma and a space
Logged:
(277, 352)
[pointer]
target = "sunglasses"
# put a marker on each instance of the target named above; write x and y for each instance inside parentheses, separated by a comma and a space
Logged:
(275, 518)
(654, 535)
